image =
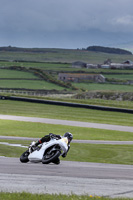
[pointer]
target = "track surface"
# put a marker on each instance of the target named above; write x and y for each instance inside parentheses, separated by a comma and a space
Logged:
(68, 177)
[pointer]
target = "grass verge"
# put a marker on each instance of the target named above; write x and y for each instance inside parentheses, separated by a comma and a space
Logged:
(38, 130)
(63, 112)
(28, 196)
(98, 153)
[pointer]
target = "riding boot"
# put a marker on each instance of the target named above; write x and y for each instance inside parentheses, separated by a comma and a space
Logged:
(57, 161)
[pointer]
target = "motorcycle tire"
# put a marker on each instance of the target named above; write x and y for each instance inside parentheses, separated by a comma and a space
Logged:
(24, 157)
(50, 158)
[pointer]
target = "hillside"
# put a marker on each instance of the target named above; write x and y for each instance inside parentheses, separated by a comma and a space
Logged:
(44, 50)
(108, 50)
(51, 55)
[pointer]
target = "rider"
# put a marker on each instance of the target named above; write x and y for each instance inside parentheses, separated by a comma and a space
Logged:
(47, 138)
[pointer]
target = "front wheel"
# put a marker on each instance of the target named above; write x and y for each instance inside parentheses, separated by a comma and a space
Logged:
(50, 157)
(24, 157)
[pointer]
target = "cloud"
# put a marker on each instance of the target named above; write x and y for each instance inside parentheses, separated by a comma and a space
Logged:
(53, 15)
(124, 20)
(29, 19)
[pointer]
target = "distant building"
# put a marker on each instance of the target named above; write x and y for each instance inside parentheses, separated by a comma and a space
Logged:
(116, 66)
(80, 77)
(128, 62)
(79, 64)
(105, 66)
(125, 65)
(91, 66)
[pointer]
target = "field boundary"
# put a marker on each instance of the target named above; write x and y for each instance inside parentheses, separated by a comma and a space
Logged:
(33, 100)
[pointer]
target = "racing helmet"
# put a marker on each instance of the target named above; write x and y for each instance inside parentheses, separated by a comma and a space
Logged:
(69, 136)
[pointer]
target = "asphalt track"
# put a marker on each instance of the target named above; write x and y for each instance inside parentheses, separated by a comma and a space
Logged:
(68, 177)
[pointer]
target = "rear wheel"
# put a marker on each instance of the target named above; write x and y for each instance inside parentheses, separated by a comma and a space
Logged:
(24, 157)
(50, 156)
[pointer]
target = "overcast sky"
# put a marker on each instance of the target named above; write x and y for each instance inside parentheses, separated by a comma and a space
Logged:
(66, 23)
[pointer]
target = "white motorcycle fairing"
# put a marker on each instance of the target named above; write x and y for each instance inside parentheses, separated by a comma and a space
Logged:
(37, 155)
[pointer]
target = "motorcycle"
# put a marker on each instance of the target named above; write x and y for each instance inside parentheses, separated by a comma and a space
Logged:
(47, 152)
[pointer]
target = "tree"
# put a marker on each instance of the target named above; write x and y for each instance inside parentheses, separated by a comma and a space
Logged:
(108, 50)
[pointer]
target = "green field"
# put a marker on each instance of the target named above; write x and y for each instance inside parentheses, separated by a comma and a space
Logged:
(123, 76)
(29, 84)
(104, 87)
(6, 73)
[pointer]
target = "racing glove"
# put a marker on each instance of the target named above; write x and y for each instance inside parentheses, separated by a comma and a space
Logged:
(65, 154)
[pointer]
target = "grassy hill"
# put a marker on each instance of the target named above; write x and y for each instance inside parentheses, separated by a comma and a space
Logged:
(59, 55)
